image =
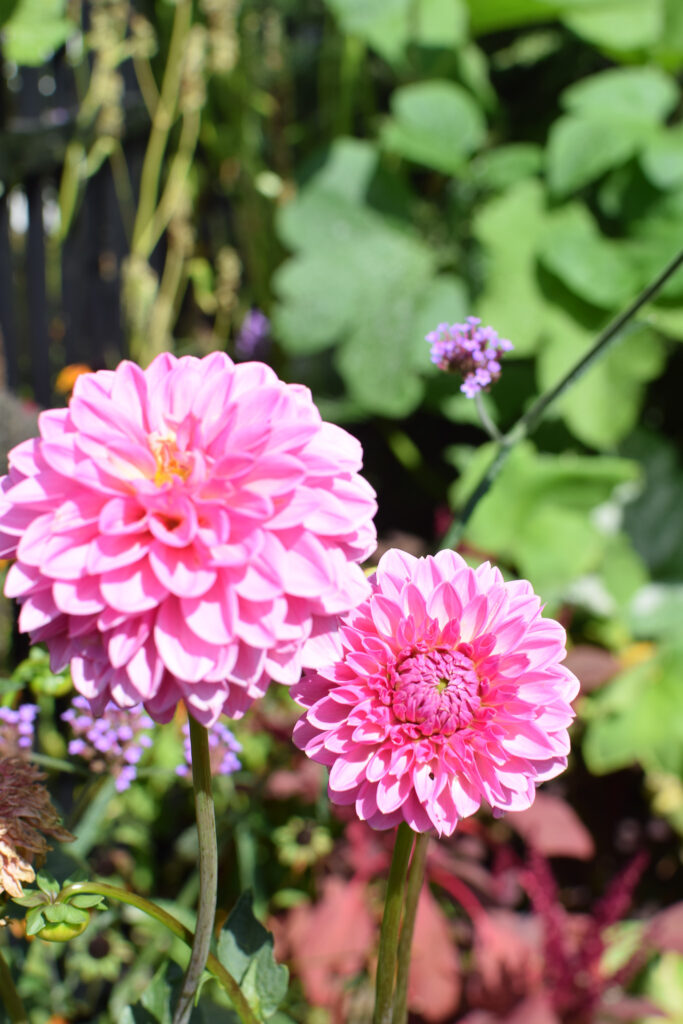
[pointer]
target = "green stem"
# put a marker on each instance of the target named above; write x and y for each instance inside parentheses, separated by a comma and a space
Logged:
(388, 940)
(132, 899)
(9, 997)
(164, 115)
(527, 423)
(405, 943)
(486, 421)
(208, 869)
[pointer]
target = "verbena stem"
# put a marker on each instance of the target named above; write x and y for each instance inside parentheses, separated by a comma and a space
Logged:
(527, 423)
(132, 899)
(405, 943)
(9, 997)
(208, 869)
(388, 941)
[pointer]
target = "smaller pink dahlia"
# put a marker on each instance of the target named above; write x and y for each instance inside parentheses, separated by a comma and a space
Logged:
(449, 691)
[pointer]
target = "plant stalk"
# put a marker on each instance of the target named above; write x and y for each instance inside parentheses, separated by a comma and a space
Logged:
(527, 423)
(405, 943)
(9, 997)
(208, 869)
(388, 940)
(132, 899)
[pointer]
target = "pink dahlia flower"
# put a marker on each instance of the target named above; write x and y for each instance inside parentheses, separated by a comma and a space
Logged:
(187, 531)
(449, 691)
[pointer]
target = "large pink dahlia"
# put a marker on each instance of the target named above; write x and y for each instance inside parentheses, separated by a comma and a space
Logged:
(449, 691)
(187, 531)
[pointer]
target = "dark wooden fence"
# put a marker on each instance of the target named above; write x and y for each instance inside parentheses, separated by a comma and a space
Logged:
(58, 304)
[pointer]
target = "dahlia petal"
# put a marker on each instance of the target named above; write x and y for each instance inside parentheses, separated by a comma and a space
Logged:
(182, 571)
(108, 552)
(145, 670)
(38, 610)
(132, 589)
(212, 615)
(122, 515)
(348, 772)
(124, 640)
(78, 597)
(22, 579)
(183, 653)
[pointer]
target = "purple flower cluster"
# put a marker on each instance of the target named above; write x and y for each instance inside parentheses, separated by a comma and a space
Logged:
(252, 340)
(223, 748)
(470, 350)
(16, 729)
(113, 742)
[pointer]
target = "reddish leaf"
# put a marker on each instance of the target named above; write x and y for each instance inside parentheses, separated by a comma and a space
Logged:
(535, 1009)
(594, 666)
(330, 941)
(434, 982)
(304, 780)
(508, 960)
(666, 929)
(628, 1008)
(553, 828)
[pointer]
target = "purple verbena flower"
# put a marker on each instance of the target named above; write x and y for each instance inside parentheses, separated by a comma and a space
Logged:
(16, 729)
(252, 340)
(114, 742)
(223, 748)
(470, 350)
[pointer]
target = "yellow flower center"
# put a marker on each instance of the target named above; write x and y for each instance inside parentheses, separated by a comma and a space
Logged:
(170, 461)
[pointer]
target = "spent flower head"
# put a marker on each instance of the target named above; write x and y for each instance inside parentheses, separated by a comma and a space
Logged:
(16, 729)
(188, 531)
(26, 818)
(471, 350)
(113, 741)
(223, 751)
(447, 690)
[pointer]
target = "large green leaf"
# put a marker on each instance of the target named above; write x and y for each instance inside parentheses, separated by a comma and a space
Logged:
(35, 29)
(638, 718)
(625, 93)
(581, 149)
(356, 281)
(616, 24)
(389, 25)
(595, 268)
(510, 227)
(537, 515)
(436, 123)
(662, 159)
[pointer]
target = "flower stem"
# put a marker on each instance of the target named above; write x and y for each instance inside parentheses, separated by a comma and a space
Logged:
(405, 943)
(114, 892)
(388, 940)
(527, 423)
(208, 869)
(9, 997)
(486, 421)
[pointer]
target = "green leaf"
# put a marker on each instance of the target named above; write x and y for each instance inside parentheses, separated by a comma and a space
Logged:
(349, 168)
(30, 899)
(440, 23)
(35, 29)
(245, 949)
(510, 228)
(35, 920)
(505, 165)
(436, 123)
(657, 610)
(662, 159)
(581, 149)
(623, 93)
(86, 900)
(157, 997)
(47, 884)
(625, 25)
(638, 717)
(356, 281)
(537, 515)
(595, 268)
(491, 15)
(589, 407)
(64, 913)
(384, 24)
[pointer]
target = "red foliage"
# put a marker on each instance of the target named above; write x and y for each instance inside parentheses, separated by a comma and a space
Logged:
(434, 982)
(553, 828)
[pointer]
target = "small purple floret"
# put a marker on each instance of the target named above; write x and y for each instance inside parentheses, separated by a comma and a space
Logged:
(16, 729)
(223, 748)
(114, 742)
(470, 350)
(252, 340)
